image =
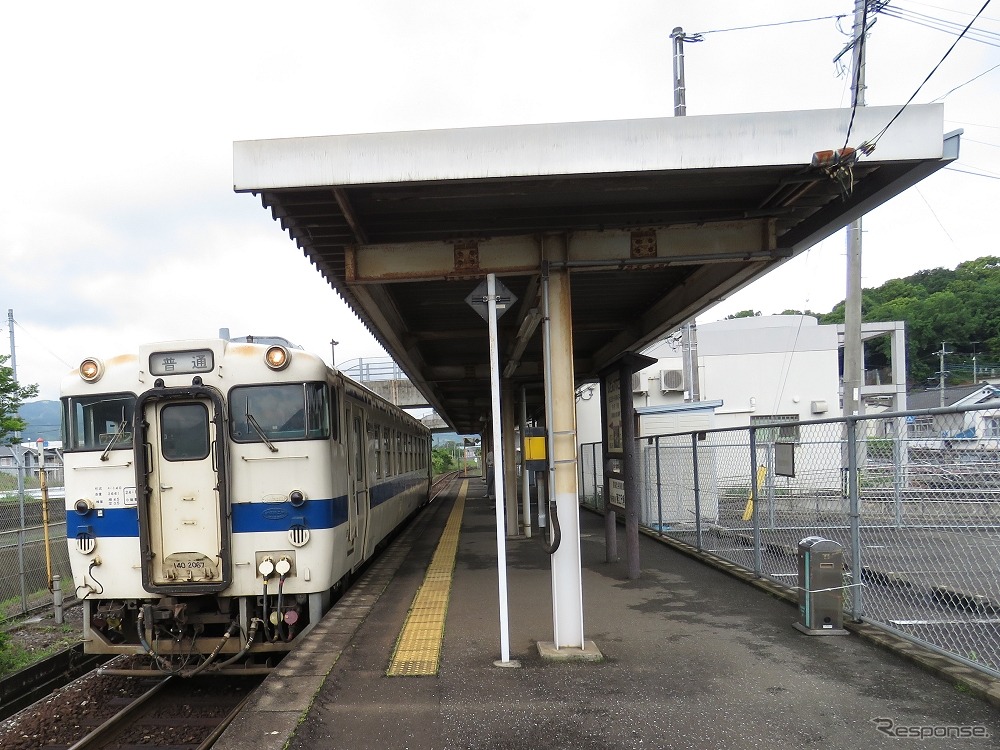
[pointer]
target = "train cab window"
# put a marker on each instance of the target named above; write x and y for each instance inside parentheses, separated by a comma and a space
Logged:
(184, 434)
(98, 423)
(288, 411)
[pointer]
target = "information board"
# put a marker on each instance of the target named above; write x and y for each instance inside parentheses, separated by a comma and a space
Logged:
(613, 406)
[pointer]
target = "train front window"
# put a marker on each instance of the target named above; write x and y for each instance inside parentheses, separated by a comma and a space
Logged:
(184, 432)
(95, 423)
(289, 411)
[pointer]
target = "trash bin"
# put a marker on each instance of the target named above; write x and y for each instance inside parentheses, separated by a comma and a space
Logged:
(821, 582)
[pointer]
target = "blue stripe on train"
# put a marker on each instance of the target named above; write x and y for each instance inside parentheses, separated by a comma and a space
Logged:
(248, 518)
(385, 491)
(106, 522)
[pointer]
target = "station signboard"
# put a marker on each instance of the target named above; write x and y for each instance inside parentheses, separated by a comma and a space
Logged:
(613, 407)
(616, 493)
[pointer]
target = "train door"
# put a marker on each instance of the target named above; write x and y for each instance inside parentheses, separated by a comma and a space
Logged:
(184, 540)
(358, 490)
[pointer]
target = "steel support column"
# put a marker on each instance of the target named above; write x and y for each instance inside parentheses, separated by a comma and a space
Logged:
(630, 473)
(525, 474)
(567, 588)
(509, 457)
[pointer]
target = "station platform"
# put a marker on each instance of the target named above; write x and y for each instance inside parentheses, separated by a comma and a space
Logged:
(692, 658)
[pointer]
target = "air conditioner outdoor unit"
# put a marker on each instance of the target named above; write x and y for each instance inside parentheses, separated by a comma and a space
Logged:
(638, 383)
(671, 380)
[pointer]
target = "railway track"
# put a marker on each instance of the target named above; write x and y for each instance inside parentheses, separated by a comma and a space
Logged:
(172, 713)
(118, 707)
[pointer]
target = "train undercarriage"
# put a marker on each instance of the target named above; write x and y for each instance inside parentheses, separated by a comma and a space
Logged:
(207, 634)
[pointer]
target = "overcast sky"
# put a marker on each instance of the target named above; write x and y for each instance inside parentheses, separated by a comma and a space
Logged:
(119, 225)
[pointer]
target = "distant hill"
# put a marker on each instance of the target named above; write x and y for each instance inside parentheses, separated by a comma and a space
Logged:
(43, 418)
(958, 309)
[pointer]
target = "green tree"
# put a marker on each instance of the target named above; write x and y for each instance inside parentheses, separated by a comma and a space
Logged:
(744, 314)
(960, 307)
(12, 396)
(443, 459)
(790, 311)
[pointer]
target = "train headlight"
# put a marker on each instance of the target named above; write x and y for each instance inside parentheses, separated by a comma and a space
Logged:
(83, 506)
(297, 498)
(277, 357)
(91, 370)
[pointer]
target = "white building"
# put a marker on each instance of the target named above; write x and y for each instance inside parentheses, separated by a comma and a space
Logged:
(750, 370)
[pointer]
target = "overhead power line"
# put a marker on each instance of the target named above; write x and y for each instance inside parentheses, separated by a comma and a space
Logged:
(975, 78)
(766, 25)
(38, 341)
(974, 174)
(946, 10)
(984, 36)
(882, 132)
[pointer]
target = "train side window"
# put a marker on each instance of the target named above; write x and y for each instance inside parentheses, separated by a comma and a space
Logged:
(335, 414)
(386, 450)
(184, 432)
(317, 411)
(376, 441)
(358, 449)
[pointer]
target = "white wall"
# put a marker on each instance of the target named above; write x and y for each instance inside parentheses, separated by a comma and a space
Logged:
(760, 366)
(777, 364)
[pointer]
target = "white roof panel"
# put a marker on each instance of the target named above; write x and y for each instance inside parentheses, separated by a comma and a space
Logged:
(614, 146)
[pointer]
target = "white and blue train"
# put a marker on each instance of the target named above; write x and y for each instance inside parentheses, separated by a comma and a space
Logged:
(220, 492)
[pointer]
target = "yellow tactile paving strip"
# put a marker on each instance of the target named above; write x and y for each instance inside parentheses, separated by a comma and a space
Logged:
(418, 648)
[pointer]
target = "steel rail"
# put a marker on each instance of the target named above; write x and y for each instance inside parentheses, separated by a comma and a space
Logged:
(93, 738)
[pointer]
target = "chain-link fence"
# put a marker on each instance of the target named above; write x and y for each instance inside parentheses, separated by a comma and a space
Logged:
(25, 586)
(913, 497)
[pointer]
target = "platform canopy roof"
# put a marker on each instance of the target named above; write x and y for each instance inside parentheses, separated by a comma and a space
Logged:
(661, 219)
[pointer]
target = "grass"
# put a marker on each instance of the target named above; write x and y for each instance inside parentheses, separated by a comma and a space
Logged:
(8, 482)
(10, 604)
(14, 656)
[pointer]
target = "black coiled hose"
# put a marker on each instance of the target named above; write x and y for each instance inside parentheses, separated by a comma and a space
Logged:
(556, 533)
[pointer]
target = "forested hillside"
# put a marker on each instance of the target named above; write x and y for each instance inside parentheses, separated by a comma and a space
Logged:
(959, 307)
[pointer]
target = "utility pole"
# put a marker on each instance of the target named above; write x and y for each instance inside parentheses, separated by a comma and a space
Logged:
(854, 355)
(680, 96)
(13, 355)
(942, 373)
(689, 333)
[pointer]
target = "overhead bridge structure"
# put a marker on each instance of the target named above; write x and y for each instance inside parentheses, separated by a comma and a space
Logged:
(626, 229)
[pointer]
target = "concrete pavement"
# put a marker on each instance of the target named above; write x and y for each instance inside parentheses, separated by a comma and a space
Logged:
(693, 658)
